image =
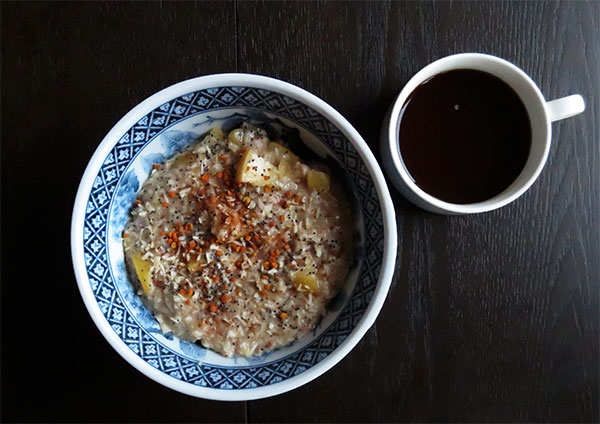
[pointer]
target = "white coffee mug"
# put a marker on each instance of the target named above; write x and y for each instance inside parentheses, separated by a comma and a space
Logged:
(541, 114)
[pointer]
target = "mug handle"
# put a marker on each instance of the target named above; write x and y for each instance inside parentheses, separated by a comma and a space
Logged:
(565, 107)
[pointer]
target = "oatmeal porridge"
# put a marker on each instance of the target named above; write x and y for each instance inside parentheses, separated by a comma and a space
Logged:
(237, 244)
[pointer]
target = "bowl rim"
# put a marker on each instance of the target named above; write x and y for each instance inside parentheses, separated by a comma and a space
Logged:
(234, 80)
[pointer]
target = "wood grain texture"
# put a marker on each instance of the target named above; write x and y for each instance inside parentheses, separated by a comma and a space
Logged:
(491, 317)
(69, 72)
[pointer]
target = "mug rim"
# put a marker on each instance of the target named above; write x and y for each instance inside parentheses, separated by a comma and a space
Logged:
(503, 198)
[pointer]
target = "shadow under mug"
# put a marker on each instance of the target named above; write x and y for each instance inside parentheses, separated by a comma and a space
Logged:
(541, 114)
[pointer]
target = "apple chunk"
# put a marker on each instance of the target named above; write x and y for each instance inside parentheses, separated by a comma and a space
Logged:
(305, 282)
(142, 269)
(317, 180)
(255, 170)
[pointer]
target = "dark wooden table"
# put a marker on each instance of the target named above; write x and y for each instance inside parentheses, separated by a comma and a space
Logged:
(493, 317)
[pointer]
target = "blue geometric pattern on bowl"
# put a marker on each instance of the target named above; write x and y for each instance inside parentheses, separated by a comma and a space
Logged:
(117, 183)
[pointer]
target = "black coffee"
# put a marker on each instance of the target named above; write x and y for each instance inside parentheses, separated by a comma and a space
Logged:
(464, 136)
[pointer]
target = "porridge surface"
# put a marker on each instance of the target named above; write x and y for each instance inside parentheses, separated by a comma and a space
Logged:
(238, 244)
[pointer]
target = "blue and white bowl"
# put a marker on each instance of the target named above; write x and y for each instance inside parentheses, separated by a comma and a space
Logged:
(155, 130)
